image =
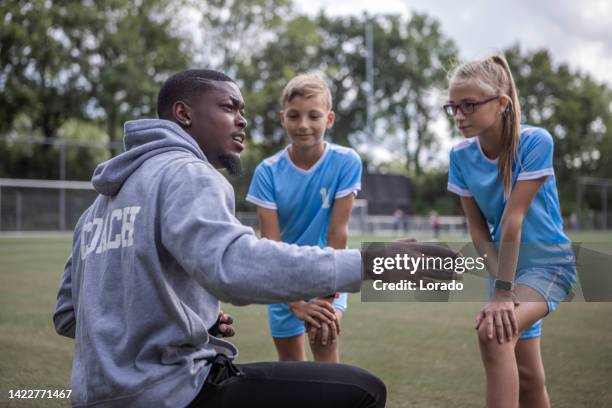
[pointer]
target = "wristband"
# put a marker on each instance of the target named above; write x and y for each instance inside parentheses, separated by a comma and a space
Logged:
(504, 285)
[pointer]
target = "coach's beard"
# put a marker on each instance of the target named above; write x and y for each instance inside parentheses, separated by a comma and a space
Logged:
(231, 163)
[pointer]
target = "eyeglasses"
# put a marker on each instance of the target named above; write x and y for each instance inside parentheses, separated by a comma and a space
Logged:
(466, 107)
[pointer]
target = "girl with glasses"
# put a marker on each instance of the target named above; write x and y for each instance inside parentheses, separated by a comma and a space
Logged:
(504, 176)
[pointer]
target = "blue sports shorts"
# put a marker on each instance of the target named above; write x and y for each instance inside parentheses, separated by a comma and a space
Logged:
(552, 282)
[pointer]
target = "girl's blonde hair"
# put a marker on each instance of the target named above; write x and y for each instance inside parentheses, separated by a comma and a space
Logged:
(492, 75)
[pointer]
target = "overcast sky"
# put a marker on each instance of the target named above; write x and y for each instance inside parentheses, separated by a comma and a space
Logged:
(576, 32)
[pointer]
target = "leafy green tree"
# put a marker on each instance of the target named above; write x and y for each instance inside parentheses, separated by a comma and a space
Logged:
(267, 73)
(41, 51)
(101, 62)
(136, 49)
(415, 56)
(574, 108)
(234, 30)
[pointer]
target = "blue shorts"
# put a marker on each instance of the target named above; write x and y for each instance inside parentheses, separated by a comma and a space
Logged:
(553, 283)
(283, 322)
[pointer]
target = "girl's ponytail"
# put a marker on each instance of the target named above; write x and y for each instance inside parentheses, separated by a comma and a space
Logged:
(511, 127)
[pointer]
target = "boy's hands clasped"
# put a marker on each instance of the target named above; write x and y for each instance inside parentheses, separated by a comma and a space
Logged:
(320, 319)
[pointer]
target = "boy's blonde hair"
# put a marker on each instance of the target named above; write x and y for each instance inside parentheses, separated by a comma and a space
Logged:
(492, 75)
(307, 85)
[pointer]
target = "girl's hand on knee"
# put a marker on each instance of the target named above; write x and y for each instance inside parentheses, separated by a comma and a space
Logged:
(499, 318)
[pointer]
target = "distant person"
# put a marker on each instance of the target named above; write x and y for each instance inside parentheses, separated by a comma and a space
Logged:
(158, 249)
(304, 195)
(573, 221)
(400, 220)
(503, 173)
(434, 222)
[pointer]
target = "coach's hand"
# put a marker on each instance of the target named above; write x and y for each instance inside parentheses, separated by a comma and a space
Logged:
(223, 326)
(412, 249)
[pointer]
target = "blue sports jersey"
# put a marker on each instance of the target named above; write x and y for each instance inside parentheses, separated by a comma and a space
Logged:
(472, 174)
(304, 198)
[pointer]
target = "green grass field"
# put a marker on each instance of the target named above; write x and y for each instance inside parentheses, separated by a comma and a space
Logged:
(426, 353)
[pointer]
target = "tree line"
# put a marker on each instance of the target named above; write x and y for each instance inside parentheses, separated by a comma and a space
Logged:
(73, 70)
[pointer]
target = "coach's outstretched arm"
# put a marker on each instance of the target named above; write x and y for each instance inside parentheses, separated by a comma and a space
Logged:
(227, 259)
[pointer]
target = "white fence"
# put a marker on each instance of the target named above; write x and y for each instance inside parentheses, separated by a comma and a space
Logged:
(42, 205)
(53, 205)
(390, 225)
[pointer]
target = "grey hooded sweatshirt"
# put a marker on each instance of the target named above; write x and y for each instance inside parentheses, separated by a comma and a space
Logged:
(151, 259)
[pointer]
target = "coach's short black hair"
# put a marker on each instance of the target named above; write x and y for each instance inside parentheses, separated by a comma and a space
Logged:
(184, 86)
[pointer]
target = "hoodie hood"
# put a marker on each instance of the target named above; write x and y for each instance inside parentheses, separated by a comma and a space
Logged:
(142, 140)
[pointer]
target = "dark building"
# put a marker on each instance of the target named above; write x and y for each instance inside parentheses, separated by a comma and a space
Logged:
(385, 193)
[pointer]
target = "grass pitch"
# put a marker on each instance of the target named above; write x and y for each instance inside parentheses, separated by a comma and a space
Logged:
(426, 353)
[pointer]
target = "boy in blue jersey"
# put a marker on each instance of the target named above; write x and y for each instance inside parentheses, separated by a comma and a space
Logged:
(504, 175)
(305, 194)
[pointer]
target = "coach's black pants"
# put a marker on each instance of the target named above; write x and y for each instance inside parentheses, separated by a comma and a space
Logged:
(289, 384)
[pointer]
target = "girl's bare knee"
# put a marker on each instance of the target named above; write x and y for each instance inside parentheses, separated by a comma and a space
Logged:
(490, 348)
(483, 338)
